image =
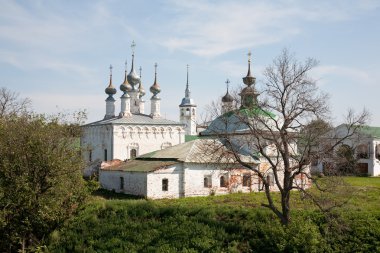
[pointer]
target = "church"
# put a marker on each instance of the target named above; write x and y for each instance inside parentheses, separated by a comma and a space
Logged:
(132, 132)
(204, 166)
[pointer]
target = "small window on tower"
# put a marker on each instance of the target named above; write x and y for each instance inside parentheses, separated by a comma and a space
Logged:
(90, 155)
(105, 155)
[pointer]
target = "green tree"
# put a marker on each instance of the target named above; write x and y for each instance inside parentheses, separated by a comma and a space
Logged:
(41, 182)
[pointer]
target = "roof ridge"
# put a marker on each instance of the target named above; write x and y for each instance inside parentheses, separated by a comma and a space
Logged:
(191, 149)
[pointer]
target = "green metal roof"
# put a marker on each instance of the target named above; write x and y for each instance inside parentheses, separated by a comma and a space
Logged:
(191, 137)
(236, 121)
(371, 131)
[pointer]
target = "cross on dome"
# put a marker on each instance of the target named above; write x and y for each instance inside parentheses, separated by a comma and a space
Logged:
(249, 55)
(133, 45)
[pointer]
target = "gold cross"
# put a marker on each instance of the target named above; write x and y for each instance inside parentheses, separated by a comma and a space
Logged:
(249, 55)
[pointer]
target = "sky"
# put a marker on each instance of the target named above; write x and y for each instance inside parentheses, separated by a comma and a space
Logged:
(58, 53)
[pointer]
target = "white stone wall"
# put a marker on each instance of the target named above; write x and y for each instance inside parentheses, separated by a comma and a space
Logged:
(186, 180)
(135, 183)
(194, 180)
(94, 140)
(174, 175)
(144, 139)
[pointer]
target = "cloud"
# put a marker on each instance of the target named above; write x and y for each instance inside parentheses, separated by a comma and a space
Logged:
(208, 29)
(354, 75)
(54, 37)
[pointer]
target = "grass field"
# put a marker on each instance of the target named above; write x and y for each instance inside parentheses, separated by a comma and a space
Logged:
(229, 223)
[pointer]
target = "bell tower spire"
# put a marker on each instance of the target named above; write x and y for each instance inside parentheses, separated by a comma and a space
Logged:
(188, 109)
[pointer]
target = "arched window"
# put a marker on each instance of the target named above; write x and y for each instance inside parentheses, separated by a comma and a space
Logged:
(247, 180)
(166, 145)
(377, 154)
(223, 181)
(207, 181)
(362, 151)
(133, 153)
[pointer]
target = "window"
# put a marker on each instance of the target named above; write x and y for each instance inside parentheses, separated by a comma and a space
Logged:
(166, 145)
(105, 155)
(270, 179)
(247, 180)
(223, 181)
(133, 154)
(362, 151)
(121, 183)
(165, 184)
(90, 155)
(377, 152)
(207, 181)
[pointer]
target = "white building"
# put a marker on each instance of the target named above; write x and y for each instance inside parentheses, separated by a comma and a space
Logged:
(132, 132)
(204, 166)
(366, 149)
(181, 171)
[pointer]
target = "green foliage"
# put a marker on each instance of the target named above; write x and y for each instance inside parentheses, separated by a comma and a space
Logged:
(230, 223)
(40, 179)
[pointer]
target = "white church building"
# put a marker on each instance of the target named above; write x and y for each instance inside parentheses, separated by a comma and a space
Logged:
(204, 166)
(132, 132)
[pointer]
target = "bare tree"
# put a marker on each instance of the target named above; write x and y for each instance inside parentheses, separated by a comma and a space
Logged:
(279, 128)
(11, 103)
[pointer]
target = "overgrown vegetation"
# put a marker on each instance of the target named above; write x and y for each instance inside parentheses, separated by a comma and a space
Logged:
(41, 181)
(231, 223)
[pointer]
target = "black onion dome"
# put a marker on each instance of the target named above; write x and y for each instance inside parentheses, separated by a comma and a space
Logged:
(227, 98)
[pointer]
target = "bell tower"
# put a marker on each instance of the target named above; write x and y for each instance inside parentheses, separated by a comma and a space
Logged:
(188, 110)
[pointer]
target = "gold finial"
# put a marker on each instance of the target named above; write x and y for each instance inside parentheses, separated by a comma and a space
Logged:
(140, 71)
(249, 55)
(133, 45)
(125, 64)
(155, 68)
(111, 70)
